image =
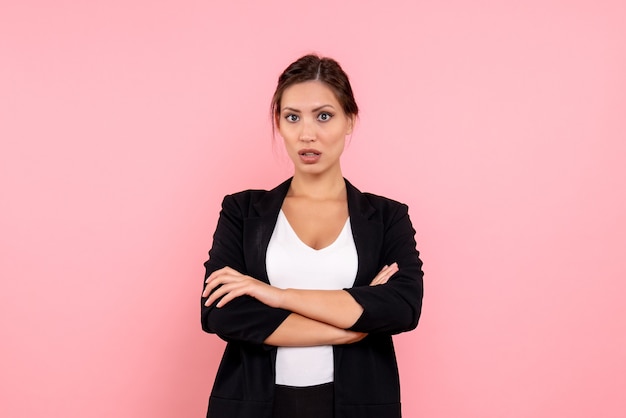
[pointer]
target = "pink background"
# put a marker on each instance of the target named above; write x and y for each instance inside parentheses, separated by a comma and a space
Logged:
(501, 124)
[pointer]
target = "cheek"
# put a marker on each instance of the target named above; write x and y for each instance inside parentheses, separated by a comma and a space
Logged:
(337, 135)
(284, 133)
(289, 142)
(288, 138)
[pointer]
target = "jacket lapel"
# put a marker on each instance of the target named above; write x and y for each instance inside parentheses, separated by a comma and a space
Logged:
(367, 232)
(258, 228)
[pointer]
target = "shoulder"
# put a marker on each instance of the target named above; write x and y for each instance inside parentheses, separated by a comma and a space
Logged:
(256, 201)
(382, 201)
(249, 195)
(257, 195)
(388, 211)
(243, 201)
(373, 205)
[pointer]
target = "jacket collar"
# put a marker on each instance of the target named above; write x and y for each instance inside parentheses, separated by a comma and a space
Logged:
(358, 204)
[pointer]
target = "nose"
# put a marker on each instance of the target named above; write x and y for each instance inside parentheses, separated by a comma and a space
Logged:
(308, 134)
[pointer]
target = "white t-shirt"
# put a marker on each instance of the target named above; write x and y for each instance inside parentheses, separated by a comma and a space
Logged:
(292, 264)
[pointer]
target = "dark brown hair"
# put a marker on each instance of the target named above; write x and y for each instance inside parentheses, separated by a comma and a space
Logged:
(310, 68)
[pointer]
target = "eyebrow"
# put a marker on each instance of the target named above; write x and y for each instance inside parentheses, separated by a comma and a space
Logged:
(291, 109)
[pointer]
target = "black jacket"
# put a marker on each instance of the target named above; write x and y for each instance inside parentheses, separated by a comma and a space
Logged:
(366, 373)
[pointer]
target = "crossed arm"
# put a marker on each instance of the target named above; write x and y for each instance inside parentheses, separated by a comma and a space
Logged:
(318, 317)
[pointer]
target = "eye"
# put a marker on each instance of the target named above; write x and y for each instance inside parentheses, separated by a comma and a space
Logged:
(292, 118)
(324, 116)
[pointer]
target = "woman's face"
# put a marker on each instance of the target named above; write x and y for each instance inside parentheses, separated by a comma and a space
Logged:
(313, 126)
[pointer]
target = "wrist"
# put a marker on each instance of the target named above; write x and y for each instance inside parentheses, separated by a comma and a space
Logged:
(353, 337)
(285, 299)
(281, 296)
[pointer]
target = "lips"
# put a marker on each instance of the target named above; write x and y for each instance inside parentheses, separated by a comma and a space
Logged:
(309, 151)
(309, 155)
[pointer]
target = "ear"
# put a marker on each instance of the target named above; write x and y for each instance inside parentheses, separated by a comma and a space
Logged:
(277, 120)
(351, 123)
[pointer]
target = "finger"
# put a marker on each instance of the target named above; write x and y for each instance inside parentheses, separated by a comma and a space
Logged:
(229, 284)
(218, 293)
(377, 279)
(383, 272)
(219, 272)
(227, 293)
(211, 297)
(211, 285)
(384, 275)
(213, 290)
(393, 269)
(222, 278)
(209, 288)
(214, 275)
(230, 296)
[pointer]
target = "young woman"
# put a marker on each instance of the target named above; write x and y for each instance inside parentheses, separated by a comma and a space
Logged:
(308, 282)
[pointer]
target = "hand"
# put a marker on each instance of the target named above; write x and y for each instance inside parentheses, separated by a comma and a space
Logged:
(234, 284)
(385, 274)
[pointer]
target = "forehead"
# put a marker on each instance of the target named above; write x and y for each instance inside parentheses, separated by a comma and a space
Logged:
(309, 94)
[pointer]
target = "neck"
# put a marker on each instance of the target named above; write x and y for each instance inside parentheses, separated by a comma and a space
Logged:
(318, 187)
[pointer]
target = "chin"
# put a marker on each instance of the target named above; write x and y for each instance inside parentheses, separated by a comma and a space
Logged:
(316, 170)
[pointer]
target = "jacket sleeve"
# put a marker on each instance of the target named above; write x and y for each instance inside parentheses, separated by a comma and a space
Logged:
(243, 319)
(396, 306)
